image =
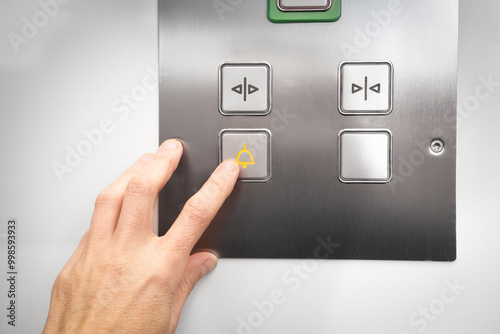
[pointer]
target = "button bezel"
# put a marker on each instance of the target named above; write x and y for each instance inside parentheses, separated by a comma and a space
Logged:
(340, 89)
(284, 8)
(276, 15)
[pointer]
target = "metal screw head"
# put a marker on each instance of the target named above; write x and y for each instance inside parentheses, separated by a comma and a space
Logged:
(437, 146)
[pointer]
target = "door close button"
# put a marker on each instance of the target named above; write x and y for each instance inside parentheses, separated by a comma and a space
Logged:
(365, 88)
(251, 149)
(365, 156)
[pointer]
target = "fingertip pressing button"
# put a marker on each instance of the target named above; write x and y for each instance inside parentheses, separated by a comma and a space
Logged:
(250, 149)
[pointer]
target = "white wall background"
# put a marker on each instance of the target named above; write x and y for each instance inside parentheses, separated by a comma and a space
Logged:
(66, 78)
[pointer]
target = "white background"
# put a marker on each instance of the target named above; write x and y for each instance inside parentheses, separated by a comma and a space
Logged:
(67, 78)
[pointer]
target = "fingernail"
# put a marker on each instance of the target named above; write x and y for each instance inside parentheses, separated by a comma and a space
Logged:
(208, 265)
(147, 157)
(228, 165)
(171, 145)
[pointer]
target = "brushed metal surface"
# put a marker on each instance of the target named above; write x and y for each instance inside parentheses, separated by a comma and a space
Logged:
(412, 217)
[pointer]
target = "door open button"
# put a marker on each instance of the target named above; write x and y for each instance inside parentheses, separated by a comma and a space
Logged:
(251, 149)
(245, 89)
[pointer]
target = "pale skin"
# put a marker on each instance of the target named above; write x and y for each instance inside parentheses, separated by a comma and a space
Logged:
(124, 279)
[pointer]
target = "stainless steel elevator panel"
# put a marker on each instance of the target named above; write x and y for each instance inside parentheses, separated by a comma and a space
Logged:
(361, 121)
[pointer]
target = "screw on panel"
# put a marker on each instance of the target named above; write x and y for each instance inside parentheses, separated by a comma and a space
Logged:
(437, 146)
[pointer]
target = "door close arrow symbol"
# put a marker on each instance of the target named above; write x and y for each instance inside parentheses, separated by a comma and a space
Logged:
(375, 88)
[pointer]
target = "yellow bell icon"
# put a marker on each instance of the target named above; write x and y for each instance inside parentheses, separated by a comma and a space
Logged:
(245, 164)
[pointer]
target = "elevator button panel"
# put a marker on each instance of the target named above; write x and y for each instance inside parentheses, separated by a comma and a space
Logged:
(365, 88)
(365, 156)
(251, 149)
(245, 89)
(343, 131)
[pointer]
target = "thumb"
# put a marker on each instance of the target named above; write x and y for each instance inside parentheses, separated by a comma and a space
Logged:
(198, 265)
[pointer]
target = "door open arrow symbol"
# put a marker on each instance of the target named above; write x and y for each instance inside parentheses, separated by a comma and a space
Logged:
(252, 89)
(238, 89)
(245, 89)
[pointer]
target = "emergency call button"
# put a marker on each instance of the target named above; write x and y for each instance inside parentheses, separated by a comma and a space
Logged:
(251, 149)
(245, 89)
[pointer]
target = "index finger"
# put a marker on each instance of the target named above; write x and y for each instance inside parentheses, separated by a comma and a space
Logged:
(200, 210)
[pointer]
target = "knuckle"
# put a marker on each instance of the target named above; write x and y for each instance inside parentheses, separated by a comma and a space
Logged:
(158, 279)
(186, 286)
(188, 282)
(214, 186)
(63, 283)
(196, 210)
(62, 279)
(140, 186)
(107, 199)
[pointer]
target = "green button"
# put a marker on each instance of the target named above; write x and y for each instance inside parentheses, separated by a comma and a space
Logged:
(278, 16)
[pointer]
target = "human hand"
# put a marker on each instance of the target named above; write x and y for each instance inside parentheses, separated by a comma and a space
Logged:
(124, 279)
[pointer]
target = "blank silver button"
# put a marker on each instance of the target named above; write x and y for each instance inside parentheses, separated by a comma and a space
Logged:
(245, 89)
(365, 156)
(251, 149)
(304, 5)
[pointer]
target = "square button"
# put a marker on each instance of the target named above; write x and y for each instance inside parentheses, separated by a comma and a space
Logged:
(304, 5)
(365, 156)
(245, 89)
(365, 88)
(251, 149)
